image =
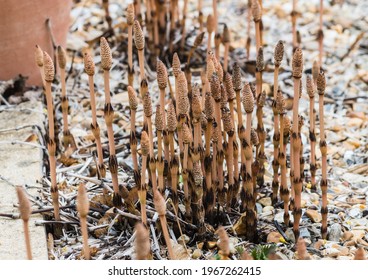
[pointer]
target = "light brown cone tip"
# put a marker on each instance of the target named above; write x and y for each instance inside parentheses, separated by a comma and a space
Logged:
(89, 65)
(39, 56)
(161, 74)
(279, 53)
(130, 14)
(133, 103)
(82, 201)
(144, 143)
(138, 36)
(106, 56)
(48, 67)
(247, 99)
(61, 56)
(297, 63)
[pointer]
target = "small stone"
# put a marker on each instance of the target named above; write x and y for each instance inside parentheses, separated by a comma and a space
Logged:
(355, 122)
(357, 234)
(347, 235)
(197, 254)
(331, 252)
(268, 209)
(259, 208)
(265, 201)
(335, 232)
(184, 238)
(274, 237)
(314, 215)
(279, 217)
(319, 244)
(355, 213)
(304, 232)
(290, 235)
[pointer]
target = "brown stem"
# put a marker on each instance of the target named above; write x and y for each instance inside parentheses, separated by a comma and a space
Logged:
(52, 150)
(84, 231)
(284, 191)
(95, 127)
(226, 55)
(324, 182)
(297, 183)
(141, 63)
(258, 34)
(142, 190)
(167, 237)
(152, 156)
(27, 239)
(293, 25)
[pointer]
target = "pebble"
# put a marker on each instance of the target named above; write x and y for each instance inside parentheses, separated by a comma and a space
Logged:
(268, 209)
(197, 254)
(304, 232)
(259, 208)
(290, 235)
(274, 237)
(335, 232)
(314, 215)
(184, 238)
(265, 201)
(279, 217)
(355, 213)
(347, 235)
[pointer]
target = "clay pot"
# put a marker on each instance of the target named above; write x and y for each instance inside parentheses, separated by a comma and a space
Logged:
(22, 26)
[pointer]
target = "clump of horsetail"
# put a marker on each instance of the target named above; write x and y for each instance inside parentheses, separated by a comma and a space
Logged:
(176, 69)
(187, 140)
(231, 96)
(284, 190)
(229, 129)
(321, 86)
(261, 99)
(210, 191)
(130, 22)
(133, 104)
(51, 145)
(196, 118)
(278, 55)
(106, 63)
(174, 160)
(142, 242)
(216, 93)
(83, 208)
(68, 139)
(226, 42)
(159, 123)
(25, 213)
(312, 134)
(147, 108)
(248, 203)
(139, 44)
(160, 207)
(89, 68)
(142, 189)
(297, 71)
